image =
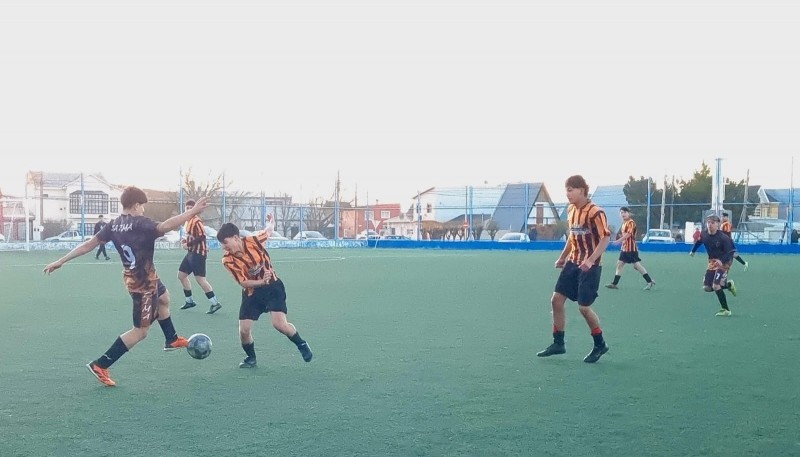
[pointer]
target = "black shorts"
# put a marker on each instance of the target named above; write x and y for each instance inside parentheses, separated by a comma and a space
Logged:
(578, 285)
(718, 277)
(629, 257)
(145, 306)
(193, 263)
(264, 299)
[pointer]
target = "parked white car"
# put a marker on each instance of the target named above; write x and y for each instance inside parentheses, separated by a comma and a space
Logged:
(69, 235)
(514, 237)
(309, 235)
(368, 235)
(663, 236)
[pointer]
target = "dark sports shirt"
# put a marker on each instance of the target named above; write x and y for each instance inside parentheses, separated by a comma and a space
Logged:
(719, 246)
(629, 245)
(197, 236)
(252, 263)
(99, 226)
(134, 238)
(587, 225)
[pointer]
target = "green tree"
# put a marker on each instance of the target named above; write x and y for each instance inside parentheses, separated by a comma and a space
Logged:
(636, 190)
(694, 196)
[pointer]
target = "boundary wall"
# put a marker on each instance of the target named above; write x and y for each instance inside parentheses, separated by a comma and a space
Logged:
(764, 248)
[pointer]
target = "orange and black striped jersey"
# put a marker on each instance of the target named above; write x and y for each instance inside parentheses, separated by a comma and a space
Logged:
(196, 234)
(629, 245)
(726, 227)
(587, 226)
(252, 262)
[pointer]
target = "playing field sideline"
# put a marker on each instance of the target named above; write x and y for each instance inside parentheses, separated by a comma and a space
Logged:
(416, 352)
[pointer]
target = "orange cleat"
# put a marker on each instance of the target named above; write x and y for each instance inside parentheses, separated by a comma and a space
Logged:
(101, 374)
(179, 343)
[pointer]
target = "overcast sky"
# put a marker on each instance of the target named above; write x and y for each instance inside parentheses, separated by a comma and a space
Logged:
(398, 96)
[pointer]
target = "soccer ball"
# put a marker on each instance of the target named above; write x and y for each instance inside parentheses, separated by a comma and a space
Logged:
(199, 346)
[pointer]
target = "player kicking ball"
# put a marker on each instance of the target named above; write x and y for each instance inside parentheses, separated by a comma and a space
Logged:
(262, 291)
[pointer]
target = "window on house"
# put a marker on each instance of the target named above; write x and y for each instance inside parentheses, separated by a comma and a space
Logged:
(384, 214)
(369, 215)
(429, 208)
(113, 206)
(95, 202)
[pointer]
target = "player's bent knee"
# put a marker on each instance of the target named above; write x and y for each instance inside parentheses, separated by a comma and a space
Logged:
(708, 288)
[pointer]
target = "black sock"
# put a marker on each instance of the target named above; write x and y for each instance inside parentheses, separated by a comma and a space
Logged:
(741, 260)
(117, 350)
(210, 295)
(616, 280)
(296, 339)
(647, 278)
(169, 330)
(598, 339)
(722, 300)
(250, 350)
(558, 337)
(187, 294)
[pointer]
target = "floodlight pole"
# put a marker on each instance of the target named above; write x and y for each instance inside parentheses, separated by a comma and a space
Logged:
(83, 207)
(649, 198)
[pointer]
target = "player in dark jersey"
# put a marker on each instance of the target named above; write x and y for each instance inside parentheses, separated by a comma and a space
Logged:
(262, 291)
(579, 280)
(97, 227)
(720, 250)
(194, 262)
(629, 253)
(134, 238)
(727, 229)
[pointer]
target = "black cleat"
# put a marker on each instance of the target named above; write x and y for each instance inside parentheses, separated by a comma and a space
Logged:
(553, 349)
(189, 304)
(597, 351)
(249, 362)
(306, 351)
(214, 308)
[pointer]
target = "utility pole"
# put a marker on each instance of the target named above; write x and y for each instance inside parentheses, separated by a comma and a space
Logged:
(743, 216)
(672, 203)
(336, 207)
(419, 218)
(663, 202)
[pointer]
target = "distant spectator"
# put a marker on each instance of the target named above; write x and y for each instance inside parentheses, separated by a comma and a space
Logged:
(532, 233)
(102, 249)
(697, 234)
(795, 235)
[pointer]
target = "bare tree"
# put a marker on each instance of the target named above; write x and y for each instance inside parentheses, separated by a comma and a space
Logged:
(491, 228)
(316, 217)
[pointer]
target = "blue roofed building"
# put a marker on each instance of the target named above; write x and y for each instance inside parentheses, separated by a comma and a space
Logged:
(776, 204)
(611, 199)
(513, 206)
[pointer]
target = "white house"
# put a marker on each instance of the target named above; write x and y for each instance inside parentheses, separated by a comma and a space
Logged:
(75, 198)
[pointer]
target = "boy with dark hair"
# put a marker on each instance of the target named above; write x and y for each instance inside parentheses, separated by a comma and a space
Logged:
(262, 291)
(194, 262)
(134, 237)
(587, 239)
(629, 253)
(720, 250)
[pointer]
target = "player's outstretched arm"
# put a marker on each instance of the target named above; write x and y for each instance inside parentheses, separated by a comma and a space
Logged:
(87, 246)
(175, 222)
